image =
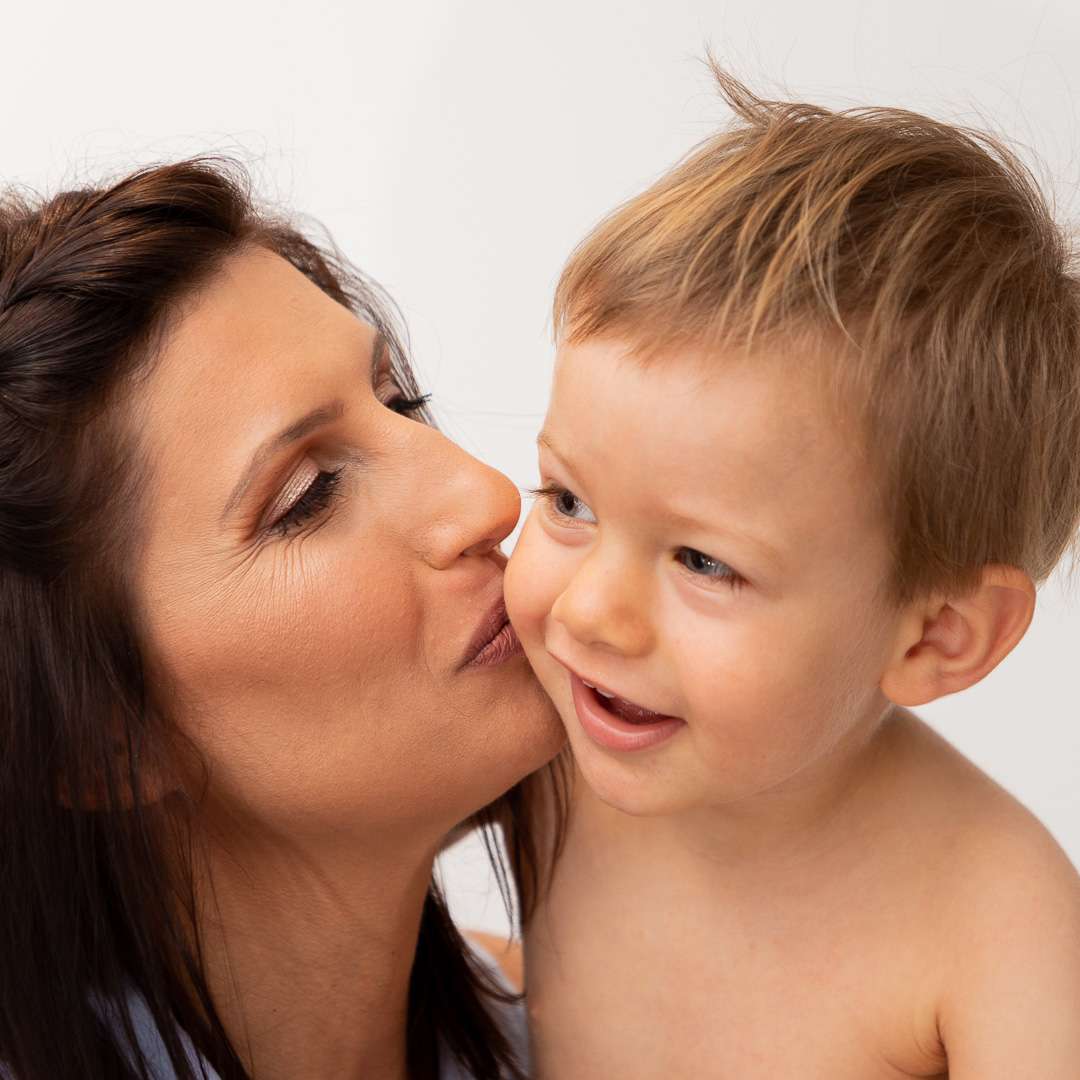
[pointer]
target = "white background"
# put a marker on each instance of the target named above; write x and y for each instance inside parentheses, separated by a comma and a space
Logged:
(457, 151)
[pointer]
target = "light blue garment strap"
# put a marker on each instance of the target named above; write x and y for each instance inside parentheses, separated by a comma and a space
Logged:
(150, 1041)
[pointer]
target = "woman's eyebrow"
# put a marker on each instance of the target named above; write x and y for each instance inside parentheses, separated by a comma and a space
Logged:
(318, 417)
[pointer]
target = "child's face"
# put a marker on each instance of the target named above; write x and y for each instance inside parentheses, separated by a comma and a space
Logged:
(711, 550)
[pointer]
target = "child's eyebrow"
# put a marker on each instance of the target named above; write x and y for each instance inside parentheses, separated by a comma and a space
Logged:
(543, 441)
(691, 521)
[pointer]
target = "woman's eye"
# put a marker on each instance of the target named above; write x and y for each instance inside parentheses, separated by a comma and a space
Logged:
(565, 503)
(316, 498)
(702, 565)
(406, 406)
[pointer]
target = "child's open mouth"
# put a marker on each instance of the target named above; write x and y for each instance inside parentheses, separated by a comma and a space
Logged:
(618, 724)
(633, 714)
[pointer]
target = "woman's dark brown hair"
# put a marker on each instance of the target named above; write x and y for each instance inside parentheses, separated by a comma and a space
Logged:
(97, 908)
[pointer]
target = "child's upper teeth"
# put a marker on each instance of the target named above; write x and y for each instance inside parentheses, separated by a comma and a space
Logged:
(602, 693)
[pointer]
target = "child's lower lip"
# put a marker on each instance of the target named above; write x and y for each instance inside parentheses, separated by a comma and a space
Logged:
(611, 731)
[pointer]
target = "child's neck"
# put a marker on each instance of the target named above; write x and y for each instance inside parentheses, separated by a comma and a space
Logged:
(821, 817)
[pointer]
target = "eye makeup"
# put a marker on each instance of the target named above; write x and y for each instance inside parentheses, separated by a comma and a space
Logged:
(315, 498)
(321, 490)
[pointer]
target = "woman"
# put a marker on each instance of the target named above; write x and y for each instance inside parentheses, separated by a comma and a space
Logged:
(255, 663)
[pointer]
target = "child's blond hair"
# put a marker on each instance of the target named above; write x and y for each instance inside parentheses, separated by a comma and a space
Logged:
(923, 259)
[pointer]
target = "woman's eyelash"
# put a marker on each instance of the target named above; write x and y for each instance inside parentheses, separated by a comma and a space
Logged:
(320, 492)
(316, 498)
(407, 406)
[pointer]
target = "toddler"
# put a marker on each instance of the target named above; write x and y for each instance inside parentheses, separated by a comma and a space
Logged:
(814, 437)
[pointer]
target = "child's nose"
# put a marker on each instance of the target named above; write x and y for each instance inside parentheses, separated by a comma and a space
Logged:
(605, 607)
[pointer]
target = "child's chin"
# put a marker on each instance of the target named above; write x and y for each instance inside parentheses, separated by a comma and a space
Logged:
(624, 785)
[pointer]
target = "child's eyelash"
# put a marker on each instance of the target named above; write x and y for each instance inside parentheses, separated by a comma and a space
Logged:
(316, 498)
(684, 555)
(694, 561)
(552, 493)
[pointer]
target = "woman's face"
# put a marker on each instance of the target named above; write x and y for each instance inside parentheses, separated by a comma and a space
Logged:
(316, 571)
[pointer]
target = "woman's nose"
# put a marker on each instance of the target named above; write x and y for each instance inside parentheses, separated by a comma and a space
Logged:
(604, 607)
(468, 508)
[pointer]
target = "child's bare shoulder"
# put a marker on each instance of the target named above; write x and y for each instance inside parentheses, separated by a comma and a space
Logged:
(1007, 912)
(984, 843)
(983, 829)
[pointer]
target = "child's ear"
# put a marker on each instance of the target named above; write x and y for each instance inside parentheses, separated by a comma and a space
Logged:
(947, 645)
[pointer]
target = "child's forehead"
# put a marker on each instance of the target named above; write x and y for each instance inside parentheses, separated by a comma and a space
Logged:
(765, 409)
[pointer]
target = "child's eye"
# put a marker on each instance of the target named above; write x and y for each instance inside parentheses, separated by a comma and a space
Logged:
(316, 498)
(565, 503)
(702, 565)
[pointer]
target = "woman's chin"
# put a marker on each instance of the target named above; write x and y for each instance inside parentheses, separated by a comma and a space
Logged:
(518, 733)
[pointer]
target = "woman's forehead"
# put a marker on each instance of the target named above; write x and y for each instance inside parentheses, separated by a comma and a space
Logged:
(255, 341)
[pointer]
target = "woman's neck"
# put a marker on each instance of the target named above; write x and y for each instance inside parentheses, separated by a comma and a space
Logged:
(308, 955)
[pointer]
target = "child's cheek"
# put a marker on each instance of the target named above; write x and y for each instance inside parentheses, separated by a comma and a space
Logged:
(529, 586)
